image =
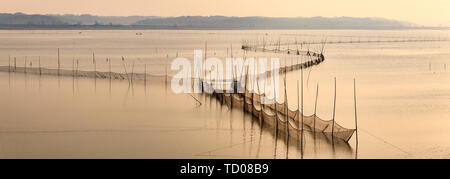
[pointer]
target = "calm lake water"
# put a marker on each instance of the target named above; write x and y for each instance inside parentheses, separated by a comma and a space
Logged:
(403, 92)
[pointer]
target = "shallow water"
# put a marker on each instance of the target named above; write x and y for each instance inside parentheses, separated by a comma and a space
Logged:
(403, 97)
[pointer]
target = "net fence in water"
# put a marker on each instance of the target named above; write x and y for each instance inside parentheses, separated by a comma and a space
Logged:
(279, 116)
(276, 115)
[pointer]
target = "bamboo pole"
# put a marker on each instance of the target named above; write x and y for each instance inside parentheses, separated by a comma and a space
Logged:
(301, 89)
(125, 68)
(259, 92)
(232, 84)
(73, 68)
(298, 110)
(231, 50)
(25, 65)
(78, 62)
(132, 72)
(245, 88)
(287, 119)
(39, 62)
(9, 64)
(275, 101)
(356, 116)
(315, 109)
(286, 101)
(287, 108)
(59, 64)
(252, 92)
(276, 112)
(166, 74)
(334, 111)
(95, 65)
(110, 74)
(145, 74)
(204, 62)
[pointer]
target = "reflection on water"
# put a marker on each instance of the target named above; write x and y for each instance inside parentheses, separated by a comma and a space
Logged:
(58, 117)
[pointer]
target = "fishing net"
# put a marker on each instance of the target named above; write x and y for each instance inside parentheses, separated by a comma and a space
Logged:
(279, 116)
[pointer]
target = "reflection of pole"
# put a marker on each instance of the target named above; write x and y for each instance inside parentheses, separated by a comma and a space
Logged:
(356, 116)
(59, 63)
(334, 111)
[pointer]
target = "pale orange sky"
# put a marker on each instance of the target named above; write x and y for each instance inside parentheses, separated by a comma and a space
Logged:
(423, 12)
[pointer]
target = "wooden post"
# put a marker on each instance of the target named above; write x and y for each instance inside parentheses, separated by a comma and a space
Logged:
(125, 69)
(298, 111)
(231, 50)
(245, 89)
(252, 92)
(275, 101)
(25, 65)
(334, 111)
(145, 74)
(59, 63)
(204, 62)
(356, 116)
(15, 66)
(39, 61)
(95, 65)
(110, 74)
(259, 96)
(73, 68)
(286, 105)
(76, 74)
(301, 89)
(132, 72)
(166, 74)
(232, 85)
(9, 64)
(315, 109)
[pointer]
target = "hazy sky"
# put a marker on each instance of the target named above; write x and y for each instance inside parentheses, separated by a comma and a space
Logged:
(424, 12)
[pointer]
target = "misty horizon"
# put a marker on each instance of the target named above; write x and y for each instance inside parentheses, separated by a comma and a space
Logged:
(21, 20)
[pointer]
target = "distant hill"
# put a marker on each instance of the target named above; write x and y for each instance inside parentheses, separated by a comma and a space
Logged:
(86, 21)
(68, 19)
(219, 22)
(24, 19)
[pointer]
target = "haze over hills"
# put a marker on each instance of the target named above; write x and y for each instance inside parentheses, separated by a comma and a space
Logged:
(24, 21)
